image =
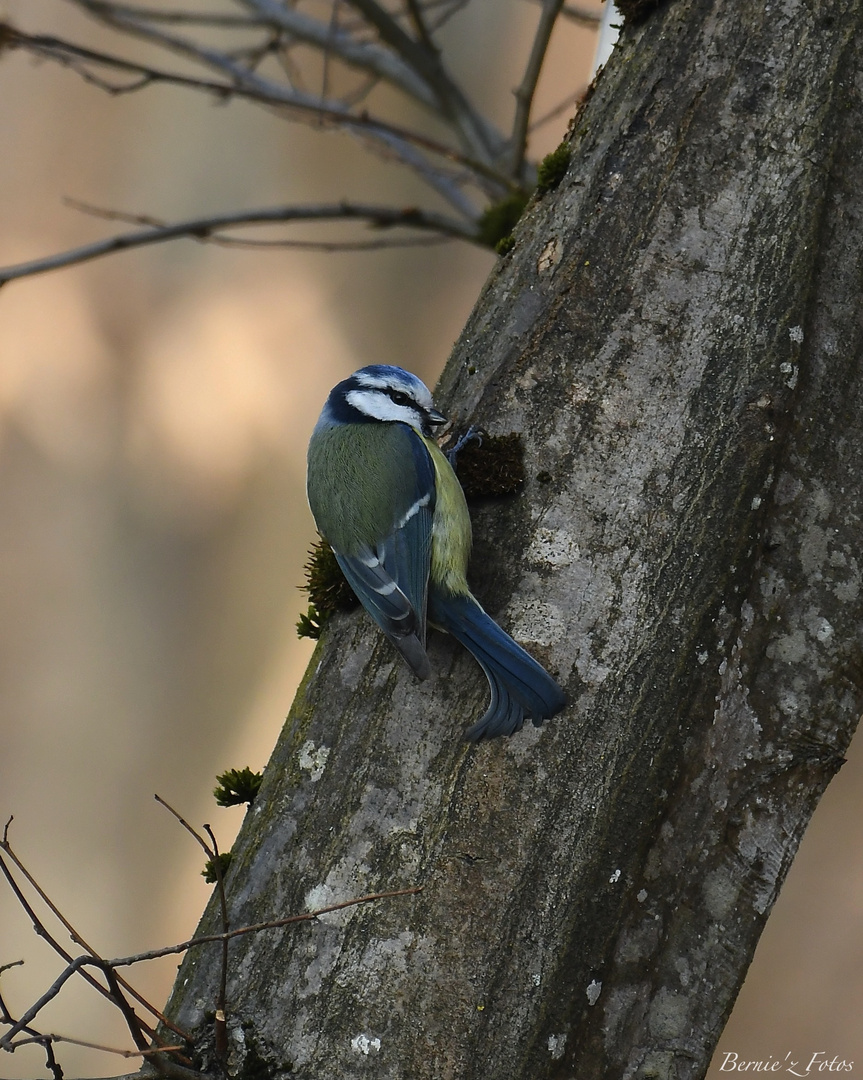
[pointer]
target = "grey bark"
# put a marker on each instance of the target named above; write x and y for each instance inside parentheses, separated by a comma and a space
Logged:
(677, 335)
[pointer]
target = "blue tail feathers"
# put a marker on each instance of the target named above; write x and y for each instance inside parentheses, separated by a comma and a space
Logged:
(520, 687)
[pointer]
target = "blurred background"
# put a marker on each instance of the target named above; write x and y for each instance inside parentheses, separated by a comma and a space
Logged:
(154, 412)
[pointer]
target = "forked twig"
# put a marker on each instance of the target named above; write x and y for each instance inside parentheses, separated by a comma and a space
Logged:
(527, 88)
(21, 1032)
(389, 139)
(80, 963)
(203, 229)
(55, 1038)
(74, 934)
(391, 44)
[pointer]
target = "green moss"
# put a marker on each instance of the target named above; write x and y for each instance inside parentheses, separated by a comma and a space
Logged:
(492, 466)
(552, 169)
(311, 624)
(327, 589)
(635, 11)
(236, 786)
(214, 867)
(499, 219)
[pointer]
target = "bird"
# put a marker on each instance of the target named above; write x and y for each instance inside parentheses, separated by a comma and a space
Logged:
(387, 500)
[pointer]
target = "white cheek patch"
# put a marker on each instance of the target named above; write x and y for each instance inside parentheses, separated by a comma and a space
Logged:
(382, 407)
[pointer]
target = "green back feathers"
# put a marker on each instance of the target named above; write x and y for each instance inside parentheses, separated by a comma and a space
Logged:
(358, 482)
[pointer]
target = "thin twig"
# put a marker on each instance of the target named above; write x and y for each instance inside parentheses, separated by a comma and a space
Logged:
(51, 1062)
(583, 15)
(53, 990)
(477, 135)
(328, 246)
(133, 1023)
(208, 851)
(525, 92)
(562, 107)
(45, 1041)
(255, 928)
(77, 937)
(418, 19)
(239, 242)
(390, 139)
(287, 20)
(148, 1052)
(415, 69)
(40, 929)
(87, 960)
(365, 55)
(231, 22)
(203, 229)
(332, 30)
(221, 1021)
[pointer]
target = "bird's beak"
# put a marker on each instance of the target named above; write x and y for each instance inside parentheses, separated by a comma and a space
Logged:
(434, 417)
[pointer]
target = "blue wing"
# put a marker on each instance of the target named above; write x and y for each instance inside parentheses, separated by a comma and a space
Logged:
(390, 576)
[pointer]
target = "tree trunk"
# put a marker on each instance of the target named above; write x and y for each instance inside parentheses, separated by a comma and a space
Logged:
(677, 337)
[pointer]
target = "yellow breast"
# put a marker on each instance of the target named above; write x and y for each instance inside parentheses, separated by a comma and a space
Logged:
(451, 532)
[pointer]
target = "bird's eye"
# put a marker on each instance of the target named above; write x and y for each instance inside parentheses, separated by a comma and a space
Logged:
(398, 398)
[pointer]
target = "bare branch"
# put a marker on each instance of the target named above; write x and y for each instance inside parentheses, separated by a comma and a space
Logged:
(88, 960)
(193, 18)
(359, 54)
(148, 1052)
(133, 1022)
(524, 93)
(203, 229)
(389, 139)
(74, 935)
(222, 240)
(418, 19)
(576, 98)
(585, 16)
(413, 68)
(39, 927)
(208, 851)
(330, 247)
(256, 928)
(478, 137)
(53, 990)
(578, 14)
(363, 55)
(328, 52)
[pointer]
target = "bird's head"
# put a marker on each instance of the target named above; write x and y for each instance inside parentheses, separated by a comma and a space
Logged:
(386, 394)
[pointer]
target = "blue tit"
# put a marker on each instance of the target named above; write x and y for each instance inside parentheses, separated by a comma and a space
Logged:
(386, 499)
